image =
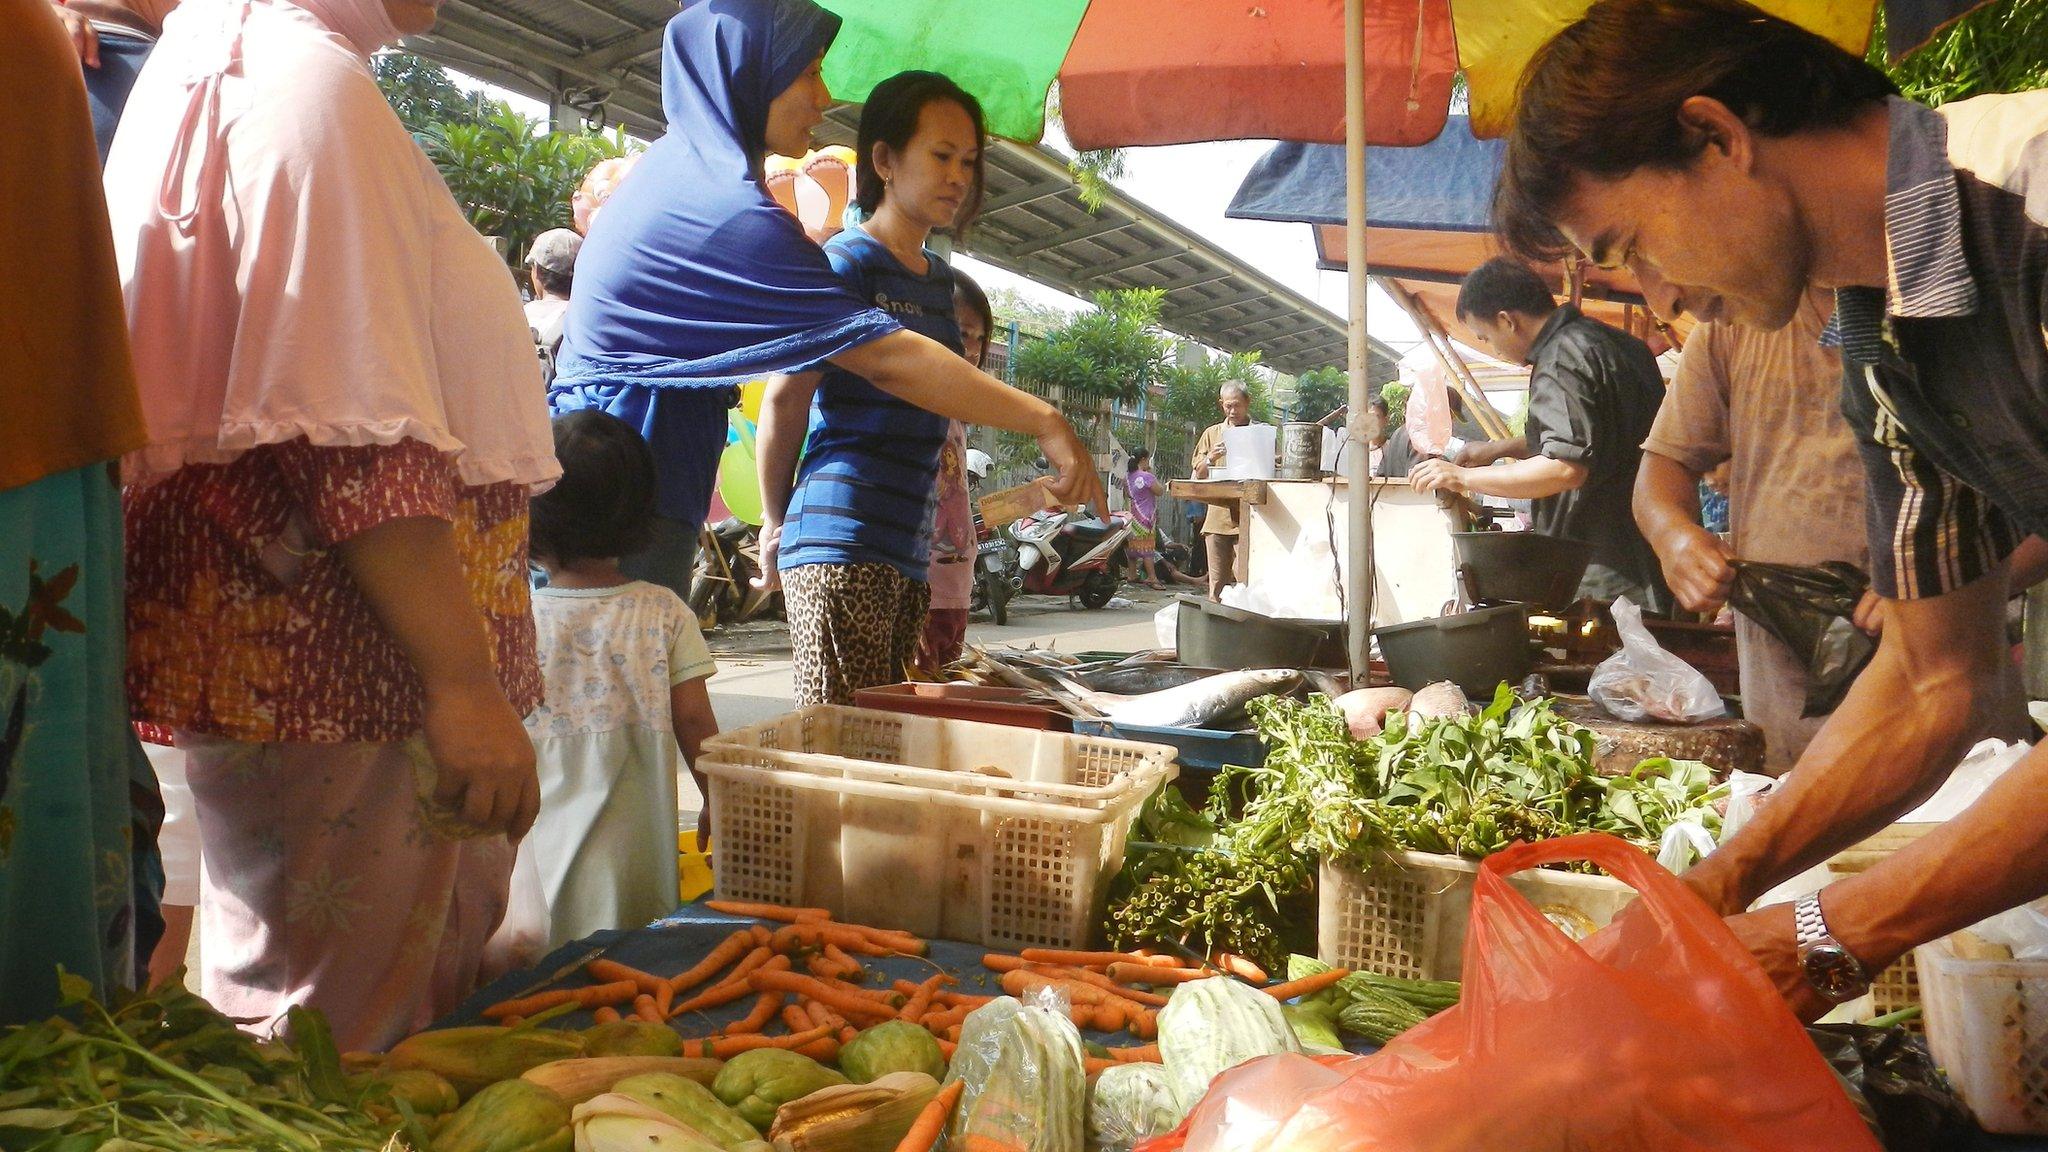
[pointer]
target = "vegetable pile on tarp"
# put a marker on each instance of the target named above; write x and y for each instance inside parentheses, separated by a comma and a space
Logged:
(1812, 610)
(165, 1070)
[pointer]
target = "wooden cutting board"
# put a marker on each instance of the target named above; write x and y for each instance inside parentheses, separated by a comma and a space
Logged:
(1725, 745)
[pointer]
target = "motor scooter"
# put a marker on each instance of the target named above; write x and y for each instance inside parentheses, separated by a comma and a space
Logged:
(1061, 553)
(722, 589)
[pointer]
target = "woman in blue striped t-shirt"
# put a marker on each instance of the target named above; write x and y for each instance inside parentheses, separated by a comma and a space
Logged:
(850, 540)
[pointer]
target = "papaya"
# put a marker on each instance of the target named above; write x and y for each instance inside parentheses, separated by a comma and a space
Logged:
(694, 1105)
(510, 1116)
(472, 1059)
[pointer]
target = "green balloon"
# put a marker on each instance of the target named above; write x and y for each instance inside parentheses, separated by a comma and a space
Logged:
(738, 483)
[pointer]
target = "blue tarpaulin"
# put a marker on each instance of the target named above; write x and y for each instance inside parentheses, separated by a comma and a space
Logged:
(1443, 186)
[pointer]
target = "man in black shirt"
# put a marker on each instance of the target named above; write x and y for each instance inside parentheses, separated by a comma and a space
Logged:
(1593, 394)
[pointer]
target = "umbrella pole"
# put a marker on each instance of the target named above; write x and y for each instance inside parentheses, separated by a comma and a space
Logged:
(1358, 468)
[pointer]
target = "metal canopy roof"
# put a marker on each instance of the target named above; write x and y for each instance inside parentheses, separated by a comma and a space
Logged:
(587, 55)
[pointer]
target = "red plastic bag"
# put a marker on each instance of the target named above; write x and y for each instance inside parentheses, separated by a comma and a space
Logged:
(1658, 1034)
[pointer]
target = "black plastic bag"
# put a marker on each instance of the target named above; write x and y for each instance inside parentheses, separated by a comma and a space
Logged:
(1896, 1085)
(1812, 610)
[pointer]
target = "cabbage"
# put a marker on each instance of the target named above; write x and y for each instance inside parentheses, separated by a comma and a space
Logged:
(1130, 1102)
(1213, 1025)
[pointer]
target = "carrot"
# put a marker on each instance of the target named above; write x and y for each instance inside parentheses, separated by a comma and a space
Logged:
(596, 995)
(513, 1021)
(998, 962)
(952, 1035)
(606, 1015)
(931, 1123)
(844, 1001)
(821, 1015)
(1146, 1054)
(947, 1048)
(847, 1034)
(838, 956)
(730, 949)
(775, 912)
(1148, 974)
(1162, 959)
(1307, 985)
(1077, 959)
(938, 1022)
(643, 1007)
(664, 999)
(895, 939)
(732, 988)
(727, 1046)
(921, 1000)
(962, 999)
(1094, 1066)
(764, 1010)
(795, 1018)
(1024, 983)
(1239, 966)
(790, 937)
(824, 1050)
(611, 971)
(1097, 979)
(822, 968)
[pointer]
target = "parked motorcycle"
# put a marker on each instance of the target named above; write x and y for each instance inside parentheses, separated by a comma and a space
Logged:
(997, 577)
(1062, 553)
(722, 588)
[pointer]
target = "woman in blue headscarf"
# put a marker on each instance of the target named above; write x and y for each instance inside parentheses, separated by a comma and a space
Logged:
(694, 281)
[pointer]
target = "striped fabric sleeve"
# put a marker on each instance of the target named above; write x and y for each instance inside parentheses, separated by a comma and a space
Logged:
(1929, 532)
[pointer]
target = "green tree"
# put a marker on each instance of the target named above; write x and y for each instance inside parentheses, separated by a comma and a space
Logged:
(511, 175)
(2002, 47)
(1113, 351)
(422, 93)
(1319, 392)
(1012, 306)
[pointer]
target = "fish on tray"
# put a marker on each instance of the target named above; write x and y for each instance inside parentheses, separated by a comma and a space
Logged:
(1192, 705)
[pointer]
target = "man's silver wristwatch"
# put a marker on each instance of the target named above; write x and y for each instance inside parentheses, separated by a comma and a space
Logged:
(1832, 969)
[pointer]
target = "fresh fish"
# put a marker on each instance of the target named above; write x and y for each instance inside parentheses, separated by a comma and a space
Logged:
(1190, 705)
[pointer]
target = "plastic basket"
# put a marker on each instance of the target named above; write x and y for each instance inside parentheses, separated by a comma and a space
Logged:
(1406, 915)
(1987, 1022)
(901, 821)
(1897, 987)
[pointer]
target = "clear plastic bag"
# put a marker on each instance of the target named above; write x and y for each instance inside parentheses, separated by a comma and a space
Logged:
(1644, 682)
(1026, 1086)
(1129, 1103)
(1657, 1034)
(522, 936)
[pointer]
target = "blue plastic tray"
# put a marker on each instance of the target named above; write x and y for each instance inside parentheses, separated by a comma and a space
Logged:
(1200, 749)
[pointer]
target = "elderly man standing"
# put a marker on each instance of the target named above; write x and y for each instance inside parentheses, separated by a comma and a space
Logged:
(1741, 397)
(1220, 528)
(1732, 161)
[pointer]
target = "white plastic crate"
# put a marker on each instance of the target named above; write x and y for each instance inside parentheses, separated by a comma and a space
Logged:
(1406, 915)
(1987, 1023)
(1001, 836)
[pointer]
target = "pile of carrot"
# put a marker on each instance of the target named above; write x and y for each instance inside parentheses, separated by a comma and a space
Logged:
(802, 970)
(1112, 991)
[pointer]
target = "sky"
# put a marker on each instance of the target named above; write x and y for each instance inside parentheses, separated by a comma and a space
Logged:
(1190, 184)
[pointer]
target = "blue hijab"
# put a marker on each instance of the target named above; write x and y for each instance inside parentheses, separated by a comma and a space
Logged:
(692, 278)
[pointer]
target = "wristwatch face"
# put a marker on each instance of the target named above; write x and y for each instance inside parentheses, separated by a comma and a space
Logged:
(1834, 973)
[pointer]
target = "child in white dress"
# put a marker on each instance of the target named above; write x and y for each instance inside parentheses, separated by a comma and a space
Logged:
(625, 665)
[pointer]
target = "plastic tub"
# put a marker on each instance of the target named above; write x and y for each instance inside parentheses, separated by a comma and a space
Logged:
(1987, 1023)
(1475, 650)
(1212, 635)
(986, 704)
(1523, 567)
(903, 822)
